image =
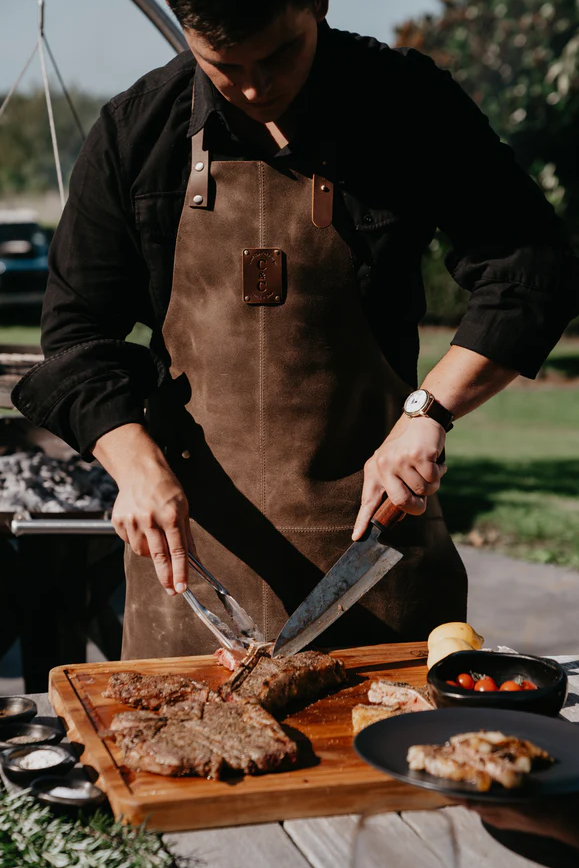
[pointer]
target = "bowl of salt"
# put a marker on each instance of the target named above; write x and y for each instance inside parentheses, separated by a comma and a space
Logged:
(23, 764)
(67, 793)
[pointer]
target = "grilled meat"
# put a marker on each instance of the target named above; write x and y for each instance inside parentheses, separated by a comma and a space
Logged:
(204, 738)
(439, 760)
(152, 691)
(399, 695)
(389, 699)
(502, 758)
(277, 682)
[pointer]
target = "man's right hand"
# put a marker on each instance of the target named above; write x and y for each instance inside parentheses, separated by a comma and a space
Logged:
(151, 512)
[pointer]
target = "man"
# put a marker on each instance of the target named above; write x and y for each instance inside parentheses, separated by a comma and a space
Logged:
(262, 203)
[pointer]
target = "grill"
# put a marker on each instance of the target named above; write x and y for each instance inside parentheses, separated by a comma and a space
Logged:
(60, 568)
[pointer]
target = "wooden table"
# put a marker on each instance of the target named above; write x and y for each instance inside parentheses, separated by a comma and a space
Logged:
(445, 838)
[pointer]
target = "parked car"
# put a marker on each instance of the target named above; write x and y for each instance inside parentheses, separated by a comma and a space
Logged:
(24, 247)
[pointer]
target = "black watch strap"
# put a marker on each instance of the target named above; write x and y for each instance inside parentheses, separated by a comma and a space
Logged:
(441, 415)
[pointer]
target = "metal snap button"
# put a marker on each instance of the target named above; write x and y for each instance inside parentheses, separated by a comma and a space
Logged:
(185, 454)
(199, 167)
(198, 199)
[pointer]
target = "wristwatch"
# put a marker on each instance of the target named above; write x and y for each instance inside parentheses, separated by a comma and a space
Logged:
(423, 403)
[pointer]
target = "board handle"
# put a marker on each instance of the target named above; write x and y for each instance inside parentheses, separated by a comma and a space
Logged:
(388, 514)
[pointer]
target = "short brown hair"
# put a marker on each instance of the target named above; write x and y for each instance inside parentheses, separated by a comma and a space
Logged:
(227, 22)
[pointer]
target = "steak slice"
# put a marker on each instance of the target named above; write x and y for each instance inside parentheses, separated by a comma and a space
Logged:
(277, 682)
(152, 691)
(439, 760)
(203, 737)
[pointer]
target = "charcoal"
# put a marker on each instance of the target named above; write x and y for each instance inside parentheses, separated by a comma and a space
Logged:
(35, 482)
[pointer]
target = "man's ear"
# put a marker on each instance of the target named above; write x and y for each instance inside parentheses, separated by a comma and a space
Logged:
(321, 9)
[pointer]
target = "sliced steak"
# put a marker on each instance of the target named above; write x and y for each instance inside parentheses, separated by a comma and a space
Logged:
(204, 738)
(152, 691)
(277, 682)
(400, 696)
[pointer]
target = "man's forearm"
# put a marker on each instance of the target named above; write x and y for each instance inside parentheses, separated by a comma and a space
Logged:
(126, 448)
(463, 380)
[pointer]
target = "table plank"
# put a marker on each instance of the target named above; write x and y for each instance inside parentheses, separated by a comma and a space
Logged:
(262, 846)
(459, 840)
(342, 842)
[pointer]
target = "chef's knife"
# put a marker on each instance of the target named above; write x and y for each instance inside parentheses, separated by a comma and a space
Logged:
(363, 564)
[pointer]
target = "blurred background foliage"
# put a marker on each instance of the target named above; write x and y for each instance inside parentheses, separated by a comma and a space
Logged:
(26, 157)
(519, 61)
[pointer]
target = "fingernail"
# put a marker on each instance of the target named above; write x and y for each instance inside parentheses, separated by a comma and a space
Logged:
(170, 591)
(180, 587)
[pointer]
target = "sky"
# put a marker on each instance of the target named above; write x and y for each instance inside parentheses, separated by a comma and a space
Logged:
(103, 46)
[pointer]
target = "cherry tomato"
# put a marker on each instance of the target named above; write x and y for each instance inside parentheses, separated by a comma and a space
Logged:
(466, 680)
(486, 684)
(510, 685)
(453, 683)
(528, 685)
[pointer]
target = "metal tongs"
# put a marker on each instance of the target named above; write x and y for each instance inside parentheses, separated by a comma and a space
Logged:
(248, 631)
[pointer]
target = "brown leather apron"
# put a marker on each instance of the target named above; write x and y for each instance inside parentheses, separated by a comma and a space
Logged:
(273, 410)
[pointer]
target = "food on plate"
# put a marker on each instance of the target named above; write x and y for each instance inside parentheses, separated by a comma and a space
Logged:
(205, 737)
(389, 699)
(445, 647)
(151, 691)
(455, 630)
(510, 686)
(484, 683)
(479, 758)
(439, 760)
(278, 682)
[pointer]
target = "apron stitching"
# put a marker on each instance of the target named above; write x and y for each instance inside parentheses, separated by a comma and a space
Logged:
(316, 529)
(262, 383)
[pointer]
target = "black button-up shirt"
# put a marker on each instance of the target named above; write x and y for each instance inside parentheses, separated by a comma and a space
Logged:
(412, 153)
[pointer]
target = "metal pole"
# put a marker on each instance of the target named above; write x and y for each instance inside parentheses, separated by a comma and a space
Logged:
(164, 23)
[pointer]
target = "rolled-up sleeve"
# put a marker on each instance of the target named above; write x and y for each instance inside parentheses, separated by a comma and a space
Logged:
(509, 249)
(92, 380)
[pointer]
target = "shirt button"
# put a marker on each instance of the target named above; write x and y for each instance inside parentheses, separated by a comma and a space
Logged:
(368, 218)
(185, 454)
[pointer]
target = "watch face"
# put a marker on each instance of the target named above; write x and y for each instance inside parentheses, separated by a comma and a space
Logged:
(416, 401)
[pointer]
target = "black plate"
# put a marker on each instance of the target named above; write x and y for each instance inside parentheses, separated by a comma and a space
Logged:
(385, 744)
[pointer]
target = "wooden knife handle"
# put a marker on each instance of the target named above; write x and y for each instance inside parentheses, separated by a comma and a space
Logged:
(389, 514)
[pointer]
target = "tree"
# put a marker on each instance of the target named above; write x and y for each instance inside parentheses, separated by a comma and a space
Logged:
(519, 60)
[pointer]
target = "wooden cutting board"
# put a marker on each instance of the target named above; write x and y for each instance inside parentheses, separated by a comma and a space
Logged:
(331, 779)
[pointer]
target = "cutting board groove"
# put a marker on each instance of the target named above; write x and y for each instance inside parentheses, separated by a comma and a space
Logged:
(335, 782)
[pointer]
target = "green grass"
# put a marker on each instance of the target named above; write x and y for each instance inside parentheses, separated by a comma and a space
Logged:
(513, 479)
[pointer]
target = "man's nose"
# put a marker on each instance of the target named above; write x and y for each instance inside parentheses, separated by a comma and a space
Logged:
(257, 87)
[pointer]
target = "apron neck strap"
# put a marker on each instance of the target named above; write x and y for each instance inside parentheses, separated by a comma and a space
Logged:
(198, 188)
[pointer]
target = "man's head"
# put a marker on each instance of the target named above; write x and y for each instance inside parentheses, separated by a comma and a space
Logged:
(257, 53)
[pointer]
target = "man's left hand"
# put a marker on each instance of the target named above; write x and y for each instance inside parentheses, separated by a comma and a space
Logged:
(404, 468)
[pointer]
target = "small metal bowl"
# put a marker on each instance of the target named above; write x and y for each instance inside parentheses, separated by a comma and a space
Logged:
(23, 734)
(13, 763)
(88, 796)
(16, 708)
(548, 675)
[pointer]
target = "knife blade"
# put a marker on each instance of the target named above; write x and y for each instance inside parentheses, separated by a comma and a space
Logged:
(365, 562)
